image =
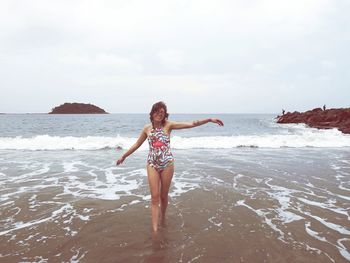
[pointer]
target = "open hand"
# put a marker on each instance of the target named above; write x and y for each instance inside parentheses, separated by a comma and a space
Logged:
(217, 121)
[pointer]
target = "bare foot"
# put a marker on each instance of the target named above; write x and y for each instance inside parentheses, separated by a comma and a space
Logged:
(155, 229)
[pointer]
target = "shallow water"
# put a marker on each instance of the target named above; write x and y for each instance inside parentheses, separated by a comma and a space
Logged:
(227, 205)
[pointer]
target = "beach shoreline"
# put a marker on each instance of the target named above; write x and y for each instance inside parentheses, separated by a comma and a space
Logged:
(239, 205)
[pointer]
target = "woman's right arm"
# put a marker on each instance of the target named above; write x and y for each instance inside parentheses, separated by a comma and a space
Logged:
(140, 140)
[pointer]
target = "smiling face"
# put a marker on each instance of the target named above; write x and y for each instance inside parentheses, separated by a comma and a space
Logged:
(159, 113)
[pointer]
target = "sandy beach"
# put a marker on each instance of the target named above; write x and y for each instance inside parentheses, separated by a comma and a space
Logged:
(245, 205)
(201, 227)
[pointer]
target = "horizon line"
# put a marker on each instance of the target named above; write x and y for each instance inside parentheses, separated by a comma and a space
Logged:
(44, 113)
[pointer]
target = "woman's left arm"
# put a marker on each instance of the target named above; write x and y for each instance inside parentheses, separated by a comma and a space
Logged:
(187, 125)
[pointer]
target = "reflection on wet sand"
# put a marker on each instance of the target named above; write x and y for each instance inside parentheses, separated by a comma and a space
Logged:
(237, 206)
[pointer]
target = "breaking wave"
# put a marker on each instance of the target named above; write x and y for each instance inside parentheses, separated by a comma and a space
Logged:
(307, 138)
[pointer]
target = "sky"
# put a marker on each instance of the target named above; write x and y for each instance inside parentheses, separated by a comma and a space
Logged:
(234, 56)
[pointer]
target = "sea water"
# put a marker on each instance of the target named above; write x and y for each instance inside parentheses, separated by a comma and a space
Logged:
(101, 132)
(58, 171)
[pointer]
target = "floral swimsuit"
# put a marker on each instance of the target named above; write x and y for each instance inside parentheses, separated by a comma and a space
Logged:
(159, 156)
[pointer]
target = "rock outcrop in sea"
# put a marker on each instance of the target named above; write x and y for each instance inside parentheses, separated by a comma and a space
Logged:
(77, 108)
(321, 119)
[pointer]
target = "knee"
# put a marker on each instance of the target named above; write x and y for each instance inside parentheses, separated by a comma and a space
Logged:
(164, 198)
(155, 199)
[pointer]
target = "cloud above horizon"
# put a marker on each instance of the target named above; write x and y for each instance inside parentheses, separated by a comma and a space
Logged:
(198, 56)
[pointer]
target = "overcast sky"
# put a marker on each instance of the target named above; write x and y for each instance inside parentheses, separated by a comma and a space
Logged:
(234, 56)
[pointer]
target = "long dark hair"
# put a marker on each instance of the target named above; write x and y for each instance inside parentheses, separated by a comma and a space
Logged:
(156, 107)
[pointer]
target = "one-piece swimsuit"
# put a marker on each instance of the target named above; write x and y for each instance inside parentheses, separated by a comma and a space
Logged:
(159, 155)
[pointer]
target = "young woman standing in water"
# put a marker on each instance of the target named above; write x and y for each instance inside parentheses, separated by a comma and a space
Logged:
(160, 161)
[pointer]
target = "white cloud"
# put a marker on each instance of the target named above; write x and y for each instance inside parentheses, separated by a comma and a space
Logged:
(327, 64)
(226, 51)
(115, 63)
(264, 68)
(171, 59)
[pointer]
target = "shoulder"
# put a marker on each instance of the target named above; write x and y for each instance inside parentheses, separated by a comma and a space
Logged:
(147, 127)
(169, 124)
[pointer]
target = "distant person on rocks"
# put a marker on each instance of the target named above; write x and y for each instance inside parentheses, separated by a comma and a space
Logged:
(283, 111)
(324, 107)
(160, 161)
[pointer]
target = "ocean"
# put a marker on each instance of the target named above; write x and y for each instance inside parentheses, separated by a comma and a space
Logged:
(251, 191)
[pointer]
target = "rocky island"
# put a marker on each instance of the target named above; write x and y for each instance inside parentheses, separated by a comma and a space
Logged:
(321, 119)
(77, 108)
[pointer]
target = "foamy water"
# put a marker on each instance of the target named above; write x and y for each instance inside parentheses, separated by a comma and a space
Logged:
(320, 202)
(312, 190)
(300, 137)
(290, 184)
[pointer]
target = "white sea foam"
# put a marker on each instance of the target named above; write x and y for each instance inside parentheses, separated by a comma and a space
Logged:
(109, 187)
(313, 233)
(78, 255)
(235, 180)
(342, 248)
(180, 187)
(327, 206)
(263, 214)
(340, 229)
(342, 187)
(213, 220)
(20, 225)
(301, 138)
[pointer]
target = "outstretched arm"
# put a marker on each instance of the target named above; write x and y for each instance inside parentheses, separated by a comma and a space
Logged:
(140, 140)
(187, 125)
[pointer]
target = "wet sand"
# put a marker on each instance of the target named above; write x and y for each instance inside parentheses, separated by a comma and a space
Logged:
(256, 212)
(201, 226)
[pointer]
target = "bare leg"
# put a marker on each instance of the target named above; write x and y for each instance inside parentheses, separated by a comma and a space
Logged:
(165, 182)
(153, 181)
